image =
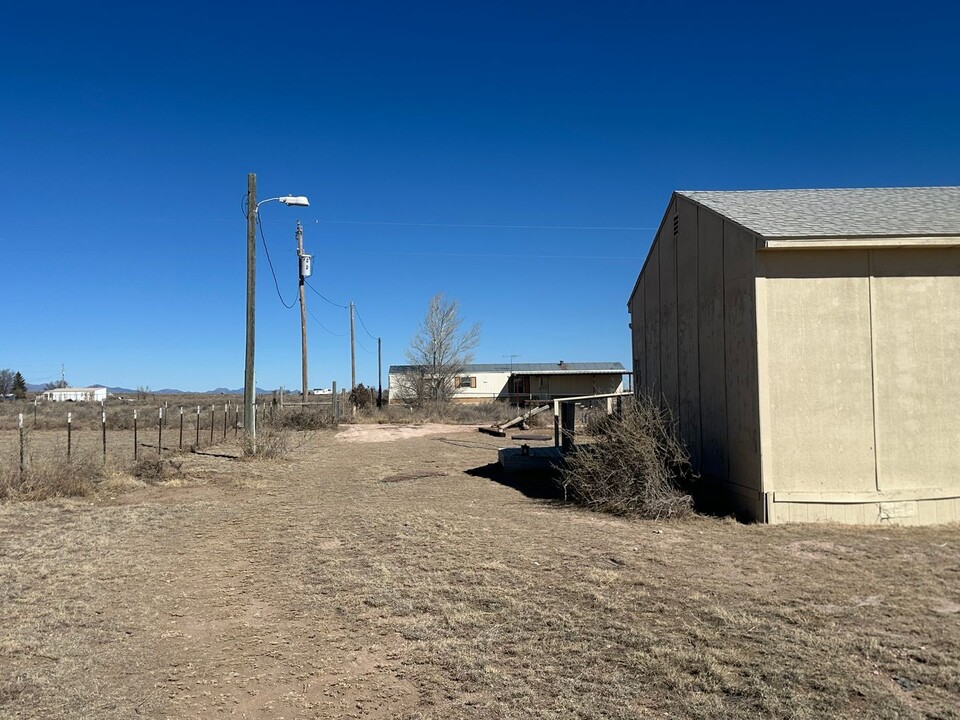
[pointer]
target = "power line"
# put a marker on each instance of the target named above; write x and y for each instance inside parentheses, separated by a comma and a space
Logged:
(364, 348)
(275, 281)
(324, 296)
(362, 323)
(317, 321)
(488, 227)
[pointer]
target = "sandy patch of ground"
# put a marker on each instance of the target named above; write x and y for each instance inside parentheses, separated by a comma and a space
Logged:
(388, 433)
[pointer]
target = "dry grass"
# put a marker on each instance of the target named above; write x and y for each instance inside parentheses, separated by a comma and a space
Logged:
(312, 588)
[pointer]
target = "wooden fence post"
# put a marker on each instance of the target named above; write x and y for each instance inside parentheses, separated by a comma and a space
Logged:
(333, 405)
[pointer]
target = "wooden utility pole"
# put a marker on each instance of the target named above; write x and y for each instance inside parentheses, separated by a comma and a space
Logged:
(353, 352)
(249, 391)
(379, 376)
(303, 313)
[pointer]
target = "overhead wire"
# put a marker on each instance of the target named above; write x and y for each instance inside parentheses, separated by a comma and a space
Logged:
(362, 323)
(317, 321)
(345, 307)
(488, 227)
(270, 262)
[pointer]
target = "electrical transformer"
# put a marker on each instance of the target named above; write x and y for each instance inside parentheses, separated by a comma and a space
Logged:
(306, 265)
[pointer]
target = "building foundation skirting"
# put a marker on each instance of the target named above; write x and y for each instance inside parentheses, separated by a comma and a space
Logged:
(913, 507)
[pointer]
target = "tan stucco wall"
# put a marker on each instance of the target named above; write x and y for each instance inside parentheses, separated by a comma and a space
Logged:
(860, 384)
(694, 340)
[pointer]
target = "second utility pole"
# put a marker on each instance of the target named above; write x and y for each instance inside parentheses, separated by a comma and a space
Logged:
(303, 312)
(353, 352)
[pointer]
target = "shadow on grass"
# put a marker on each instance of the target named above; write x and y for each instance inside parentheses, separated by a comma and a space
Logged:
(536, 485)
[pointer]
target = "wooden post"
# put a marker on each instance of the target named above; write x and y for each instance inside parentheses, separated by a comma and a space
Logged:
(21, 447)
(567, 417)
(181, 428)
(103, 427)
(213, 417)
(69, 433)
(135, 451)
(333, 405)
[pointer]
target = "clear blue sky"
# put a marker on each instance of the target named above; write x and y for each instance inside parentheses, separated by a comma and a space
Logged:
(126, 135)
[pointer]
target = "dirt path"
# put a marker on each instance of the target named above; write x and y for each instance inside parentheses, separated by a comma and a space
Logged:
(407, 579)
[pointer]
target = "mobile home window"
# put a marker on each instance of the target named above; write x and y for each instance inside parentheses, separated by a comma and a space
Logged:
(467, 382)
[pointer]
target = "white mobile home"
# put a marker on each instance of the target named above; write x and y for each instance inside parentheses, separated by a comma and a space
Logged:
(89, 394)
(521, 382)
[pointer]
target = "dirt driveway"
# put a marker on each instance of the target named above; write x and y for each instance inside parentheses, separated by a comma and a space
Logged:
(406, 578)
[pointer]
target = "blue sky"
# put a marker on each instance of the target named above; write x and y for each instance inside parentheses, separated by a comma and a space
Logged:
(126, 134)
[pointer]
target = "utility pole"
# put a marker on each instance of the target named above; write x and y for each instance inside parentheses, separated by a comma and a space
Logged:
(303, 309)
(353, 352)
(379, 376)
(249, 391)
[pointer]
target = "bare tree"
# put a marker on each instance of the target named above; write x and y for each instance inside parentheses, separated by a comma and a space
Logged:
(6, 382)
(438, 353)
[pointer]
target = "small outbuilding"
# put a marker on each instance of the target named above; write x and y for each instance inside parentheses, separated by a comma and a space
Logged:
(808, 344)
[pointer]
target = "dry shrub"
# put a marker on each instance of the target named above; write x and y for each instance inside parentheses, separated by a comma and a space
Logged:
(273, 443)
(304, 419)
(152, 470)
(48, 476)
(635, 466)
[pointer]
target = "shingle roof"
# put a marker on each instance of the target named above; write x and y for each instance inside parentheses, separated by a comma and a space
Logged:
(527, 368)
(862, 212)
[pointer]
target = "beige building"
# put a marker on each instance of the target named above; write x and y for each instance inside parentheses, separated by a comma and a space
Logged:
(808, 342)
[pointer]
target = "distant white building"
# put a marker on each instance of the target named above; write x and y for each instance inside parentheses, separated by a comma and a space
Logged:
(523, 382)
(89, 394)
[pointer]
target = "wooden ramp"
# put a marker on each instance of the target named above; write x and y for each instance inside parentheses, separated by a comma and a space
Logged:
(498, 430)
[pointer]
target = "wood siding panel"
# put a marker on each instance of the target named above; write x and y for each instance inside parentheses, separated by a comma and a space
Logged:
(688, 341)
(651, 285)
(740, 345)
(916, 332)
(669, 366)
(713, 401)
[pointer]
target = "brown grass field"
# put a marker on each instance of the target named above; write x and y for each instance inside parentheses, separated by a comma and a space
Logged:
(407, 578)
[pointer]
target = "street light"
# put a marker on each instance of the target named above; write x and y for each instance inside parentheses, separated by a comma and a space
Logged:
(249, 379)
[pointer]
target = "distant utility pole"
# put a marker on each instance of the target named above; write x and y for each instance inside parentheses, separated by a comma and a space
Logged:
(304, 266)
(353, 352)
(379, 376)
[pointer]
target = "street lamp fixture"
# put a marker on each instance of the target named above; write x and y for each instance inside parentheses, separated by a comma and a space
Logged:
(249, 378)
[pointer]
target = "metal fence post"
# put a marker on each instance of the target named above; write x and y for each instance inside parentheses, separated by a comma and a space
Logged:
(103, 427)
(197, 446)
(181, 428)
(69, 434)
(160, 434)
(21, 447)
(135, 449)
(213, 418)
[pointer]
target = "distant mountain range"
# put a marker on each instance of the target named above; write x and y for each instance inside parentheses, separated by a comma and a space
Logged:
(34, 387)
